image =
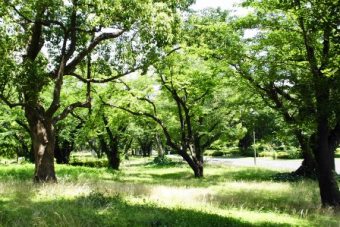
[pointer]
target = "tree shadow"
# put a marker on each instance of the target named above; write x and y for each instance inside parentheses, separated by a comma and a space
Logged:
(98, 210)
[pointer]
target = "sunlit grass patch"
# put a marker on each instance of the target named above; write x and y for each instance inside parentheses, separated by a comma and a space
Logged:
(141, 195)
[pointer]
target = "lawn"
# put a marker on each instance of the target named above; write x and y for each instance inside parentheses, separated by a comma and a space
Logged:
(142, 194)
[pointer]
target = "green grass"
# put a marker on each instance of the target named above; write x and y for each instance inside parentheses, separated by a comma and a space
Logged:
(144, 195)
(337, 153)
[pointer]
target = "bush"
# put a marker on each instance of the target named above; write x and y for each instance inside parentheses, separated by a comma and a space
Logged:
(247, 152)
(227, 151)
(162, 160)
(294, 154)
(282, 155)
(90, 163)
(337, 153)
(266, 154)
(217, 153)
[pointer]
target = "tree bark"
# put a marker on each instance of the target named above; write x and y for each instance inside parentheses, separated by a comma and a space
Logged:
(113, 152)
(329, 190)
(308, 166)
(146, 146)
(43, 141)
(195, 164)
(62, 152)
(324, 152)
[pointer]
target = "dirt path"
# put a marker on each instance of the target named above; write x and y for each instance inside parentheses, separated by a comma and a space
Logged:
(290, 165)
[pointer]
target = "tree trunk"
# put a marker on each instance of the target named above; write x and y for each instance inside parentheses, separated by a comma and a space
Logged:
(43, 141)
(159, 144)
(62, 153)
(324, 152)
(114, 159)
(113, 152)
(195, 164)
(329, 190)
(146, 146)
(103, 146)
(98, 150)
(128, 143)
(308, 166)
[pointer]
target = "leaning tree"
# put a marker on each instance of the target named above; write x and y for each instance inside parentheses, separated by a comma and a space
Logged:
(293, 63)
(299, 51)
(183, 97)
(43, 42)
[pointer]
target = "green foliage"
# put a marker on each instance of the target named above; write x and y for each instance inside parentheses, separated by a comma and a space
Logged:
(223, 151)
(214, 153)
(337, 153)
(163, 161)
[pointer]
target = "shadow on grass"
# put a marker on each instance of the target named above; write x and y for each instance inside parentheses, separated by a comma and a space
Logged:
(185, 177)
(178, 175)
(98, 210)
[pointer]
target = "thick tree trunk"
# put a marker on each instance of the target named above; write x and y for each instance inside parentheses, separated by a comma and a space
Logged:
(146, 147)
(113, 152)
(329, 190)
(114, 159)
(62, 153)
(308, 166)
(195, 164)
(43, 141)
(324, 151)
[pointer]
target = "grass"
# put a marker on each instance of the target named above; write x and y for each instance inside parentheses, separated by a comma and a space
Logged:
(144, 195)
(337, 153)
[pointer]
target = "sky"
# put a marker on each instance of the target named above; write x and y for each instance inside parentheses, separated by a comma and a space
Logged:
(231, 5)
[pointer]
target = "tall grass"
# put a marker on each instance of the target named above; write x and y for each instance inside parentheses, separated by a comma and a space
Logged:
(144, 195)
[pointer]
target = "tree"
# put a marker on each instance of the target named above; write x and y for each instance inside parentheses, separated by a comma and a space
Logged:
(292, 63)
(185, 105)
(309, 36)
(223, 41)
(54, 39)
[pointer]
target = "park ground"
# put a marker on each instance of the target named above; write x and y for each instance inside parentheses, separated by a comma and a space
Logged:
(145, 194)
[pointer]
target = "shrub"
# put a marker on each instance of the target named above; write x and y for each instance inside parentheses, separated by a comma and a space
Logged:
(217, 153)
(282, 155)
(227, 151)
(90, 163)
(162, 160)
(266, 154)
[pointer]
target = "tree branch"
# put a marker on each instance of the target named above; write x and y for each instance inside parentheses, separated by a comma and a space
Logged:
(8, 103)
(140, 98)
(57, 89)
(73, 31)
(156, 119)
(69, 109)
(23, 125)
(70, 67)
(119, 75)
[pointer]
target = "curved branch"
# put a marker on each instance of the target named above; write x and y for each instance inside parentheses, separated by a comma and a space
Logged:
(106, 80)
(9, 103)
(70, 67)
(119, 75)
(70, 108)
(154, 118)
